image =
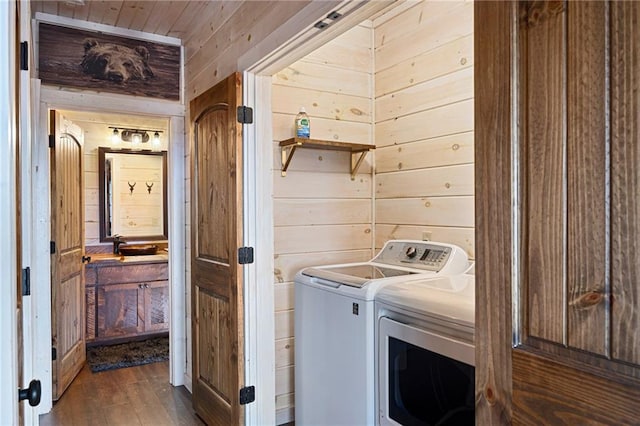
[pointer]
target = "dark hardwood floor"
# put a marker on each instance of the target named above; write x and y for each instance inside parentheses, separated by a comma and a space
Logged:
(127, 396)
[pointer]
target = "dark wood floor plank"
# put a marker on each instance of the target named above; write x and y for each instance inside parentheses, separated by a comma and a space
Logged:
(124, 397)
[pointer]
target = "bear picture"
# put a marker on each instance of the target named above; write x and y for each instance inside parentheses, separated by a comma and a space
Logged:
(106, 63)
(114, 62)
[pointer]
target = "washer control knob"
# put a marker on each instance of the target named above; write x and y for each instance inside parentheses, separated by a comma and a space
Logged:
(411, 252)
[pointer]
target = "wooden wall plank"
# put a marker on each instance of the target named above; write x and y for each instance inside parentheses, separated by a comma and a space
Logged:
(205, 22)
(436, 181)
(442, 151)
(587, 245)
(288, 212)
(434, 211)
(283, 296)
(440, 61)
(283, 324)
(299, 239)
(316, 185)
(327, 78)
(543, 65)
(351, 50)
(450, 88)
(434, 31)
(284, 380)
(284, 352)
(319, 103)
(446, 120)
(462, 237)
(625, 181)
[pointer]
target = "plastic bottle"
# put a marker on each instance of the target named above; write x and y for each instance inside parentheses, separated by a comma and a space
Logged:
(303, 129)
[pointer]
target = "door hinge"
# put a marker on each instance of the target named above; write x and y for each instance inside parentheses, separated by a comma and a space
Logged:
(247, 395)
(52, 247)
(52, 141)
(54, 353)
(26, 281)
(245, 115)
(245, 255)
(24, 56)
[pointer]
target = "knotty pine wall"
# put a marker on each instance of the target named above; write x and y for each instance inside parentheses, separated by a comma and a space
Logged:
(424, 124)
(321, 216)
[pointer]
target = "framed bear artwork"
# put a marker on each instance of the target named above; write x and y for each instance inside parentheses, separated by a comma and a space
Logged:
(102, 62)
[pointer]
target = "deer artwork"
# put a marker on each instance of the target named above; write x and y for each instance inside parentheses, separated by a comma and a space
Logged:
(149, 187)
(131, 187)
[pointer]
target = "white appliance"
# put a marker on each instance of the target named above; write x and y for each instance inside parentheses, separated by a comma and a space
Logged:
(426, 355)
(334, 328)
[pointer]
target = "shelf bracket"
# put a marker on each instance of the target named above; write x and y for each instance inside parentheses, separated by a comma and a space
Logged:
(287, 154)
(355, 163)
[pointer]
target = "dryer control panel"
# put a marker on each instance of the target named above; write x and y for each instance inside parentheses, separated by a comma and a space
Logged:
(427, 255)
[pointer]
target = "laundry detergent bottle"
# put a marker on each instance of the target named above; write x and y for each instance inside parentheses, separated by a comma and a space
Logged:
(303, 129)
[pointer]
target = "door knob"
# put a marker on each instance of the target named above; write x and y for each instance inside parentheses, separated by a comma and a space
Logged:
(32, 393)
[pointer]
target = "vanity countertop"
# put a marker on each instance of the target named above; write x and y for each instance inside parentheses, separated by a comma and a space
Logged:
(116, 258)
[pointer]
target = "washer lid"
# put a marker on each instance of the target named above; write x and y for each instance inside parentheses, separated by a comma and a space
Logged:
(450, 298)
(355, 275)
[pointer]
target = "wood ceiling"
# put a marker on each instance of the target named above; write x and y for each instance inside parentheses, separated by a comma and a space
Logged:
(180, 19)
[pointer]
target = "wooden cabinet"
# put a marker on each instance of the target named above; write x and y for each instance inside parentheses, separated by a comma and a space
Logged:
(557, 208)
(125, 300)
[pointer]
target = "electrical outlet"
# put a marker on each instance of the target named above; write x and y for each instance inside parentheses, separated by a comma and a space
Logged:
(426, 235)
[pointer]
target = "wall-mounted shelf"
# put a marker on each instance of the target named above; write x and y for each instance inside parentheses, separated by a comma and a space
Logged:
(358, 151)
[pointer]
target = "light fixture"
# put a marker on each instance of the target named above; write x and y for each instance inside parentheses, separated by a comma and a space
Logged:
(135, 136)
(115, 136)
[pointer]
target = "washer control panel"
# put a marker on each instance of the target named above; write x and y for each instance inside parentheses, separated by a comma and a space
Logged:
(427, 255)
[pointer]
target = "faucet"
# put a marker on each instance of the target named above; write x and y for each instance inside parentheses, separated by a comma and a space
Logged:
(116, 244)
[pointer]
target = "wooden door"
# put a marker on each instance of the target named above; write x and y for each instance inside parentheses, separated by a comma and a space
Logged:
(216, 234)
(67, 272)
(558, 277)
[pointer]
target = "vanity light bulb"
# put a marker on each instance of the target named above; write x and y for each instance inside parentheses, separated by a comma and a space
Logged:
(136, 138)
(115, 137)
(156, 139)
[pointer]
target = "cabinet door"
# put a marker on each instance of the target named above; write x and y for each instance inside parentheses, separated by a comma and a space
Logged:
(120, 310)
(156, 306)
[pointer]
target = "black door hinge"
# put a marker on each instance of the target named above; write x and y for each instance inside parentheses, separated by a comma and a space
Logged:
(26, 281)
(52, 141)
(24, 56)
(52, 247)
(54, 353)
(245, 255)
(245, 115)
(247, 395)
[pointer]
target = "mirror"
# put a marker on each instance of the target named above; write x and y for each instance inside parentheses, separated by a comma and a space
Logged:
(133, 194)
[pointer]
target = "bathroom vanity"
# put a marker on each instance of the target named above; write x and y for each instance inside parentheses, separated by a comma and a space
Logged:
(126, 296)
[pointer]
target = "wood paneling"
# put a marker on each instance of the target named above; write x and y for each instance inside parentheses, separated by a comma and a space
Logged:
(463, 237)
(546, 392)
(493, 211)
(442, 151)
(292, 212)
(321, 185)
(308, 239)
(432, 211)
(436, 181)
(542, 81)
(286, 265)
(625, 181)
(446, 120)
(587, 223)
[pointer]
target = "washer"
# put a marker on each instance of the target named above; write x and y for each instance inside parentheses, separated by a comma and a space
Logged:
(335, 322)
(426, 353)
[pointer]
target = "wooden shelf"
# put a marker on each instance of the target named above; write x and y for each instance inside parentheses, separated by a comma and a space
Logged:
(358, 151)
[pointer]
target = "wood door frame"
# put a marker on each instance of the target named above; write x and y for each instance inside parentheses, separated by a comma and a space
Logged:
(8, 305)
(258, 65)
(51, 98)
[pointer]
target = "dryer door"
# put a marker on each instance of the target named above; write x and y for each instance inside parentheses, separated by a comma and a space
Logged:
(424, 378)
